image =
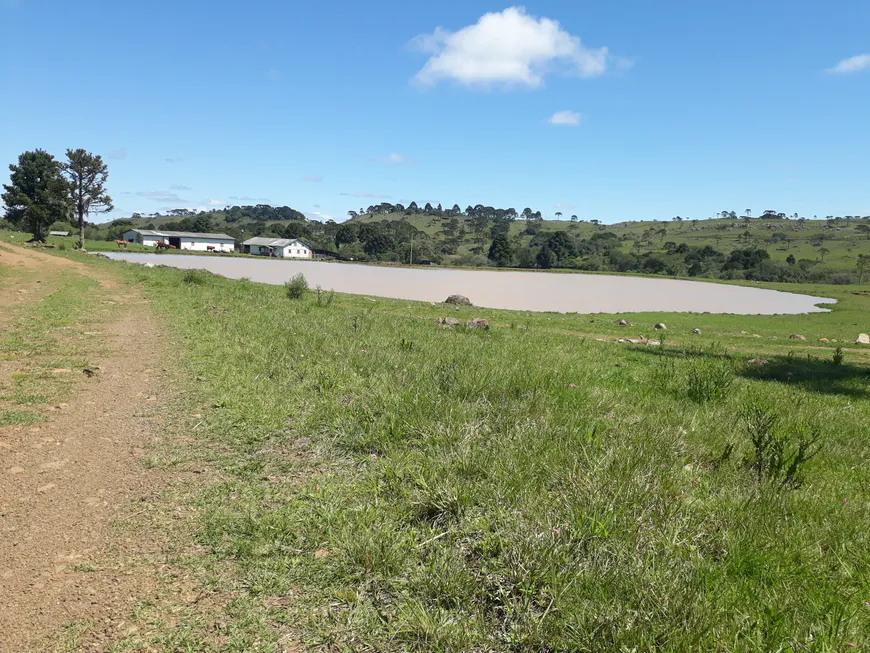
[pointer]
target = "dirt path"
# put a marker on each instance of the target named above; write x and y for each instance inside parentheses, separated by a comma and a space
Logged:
(64, 483)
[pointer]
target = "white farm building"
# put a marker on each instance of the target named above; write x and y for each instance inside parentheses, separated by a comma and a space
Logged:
(181, 240)
(277, 247)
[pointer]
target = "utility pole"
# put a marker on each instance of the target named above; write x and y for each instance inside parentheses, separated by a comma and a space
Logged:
(411, 261)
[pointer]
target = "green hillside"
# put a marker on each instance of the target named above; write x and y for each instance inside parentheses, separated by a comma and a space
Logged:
(825, 247)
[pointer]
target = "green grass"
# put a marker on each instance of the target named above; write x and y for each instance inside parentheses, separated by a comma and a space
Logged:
(383, 484)
(19, 417)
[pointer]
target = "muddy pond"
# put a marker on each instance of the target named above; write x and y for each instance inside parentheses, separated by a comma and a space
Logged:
(508, 289)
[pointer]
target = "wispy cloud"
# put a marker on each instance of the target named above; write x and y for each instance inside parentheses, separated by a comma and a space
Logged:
(367, 195)
(316, 206)
(162, 196)
(317, 215)
(245, 198)
(565, 118)
(395, 159)
(564, 206)
(171, 159)
(117, 154)
(214, 203)
(851, 65)
(509, 48)
(312, 179)
(179, 187)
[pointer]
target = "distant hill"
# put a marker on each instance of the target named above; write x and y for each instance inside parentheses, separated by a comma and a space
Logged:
(824, 246)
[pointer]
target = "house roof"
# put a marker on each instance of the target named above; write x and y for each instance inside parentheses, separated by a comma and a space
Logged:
(182, 234)
(273, 242)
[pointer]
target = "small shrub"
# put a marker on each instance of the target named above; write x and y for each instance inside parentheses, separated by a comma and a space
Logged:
(61, 247)
(778, 457)
(837, 359)
(296, 287)
(195, 277)
(709, 379)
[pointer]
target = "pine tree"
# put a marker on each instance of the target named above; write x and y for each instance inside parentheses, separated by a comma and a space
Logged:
(38, 195)
(87, 175)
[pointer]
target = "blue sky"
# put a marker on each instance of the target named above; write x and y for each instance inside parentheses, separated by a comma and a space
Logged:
(614, 111)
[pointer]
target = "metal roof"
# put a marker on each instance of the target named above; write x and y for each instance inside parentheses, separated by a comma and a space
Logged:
(182, 234)
(273, 242)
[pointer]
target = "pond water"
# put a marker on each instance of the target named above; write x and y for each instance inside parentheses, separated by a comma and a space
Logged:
(516, 290)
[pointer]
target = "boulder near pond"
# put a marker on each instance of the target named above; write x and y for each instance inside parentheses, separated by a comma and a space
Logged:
(460, 300)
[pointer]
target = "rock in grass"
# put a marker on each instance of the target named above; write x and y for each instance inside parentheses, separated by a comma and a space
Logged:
(823, 340)
(756, 362)
(447, 322)
(477, 323)
(660, 326)
(461, 300)
(623, 323)
(797, 336)
(696, 331)
(863, 339)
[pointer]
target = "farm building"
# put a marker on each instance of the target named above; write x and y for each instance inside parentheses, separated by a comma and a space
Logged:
(278, 247)
(181, 240)
(58, 233)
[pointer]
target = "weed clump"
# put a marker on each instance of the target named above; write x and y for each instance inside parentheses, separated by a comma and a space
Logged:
(324, 298)
(778, 456)
(195, 277)
(709, 379)
(296, 287)
(837, 359)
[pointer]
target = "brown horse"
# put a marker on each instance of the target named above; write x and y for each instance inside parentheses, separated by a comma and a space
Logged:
(121, 243)
(162, 244)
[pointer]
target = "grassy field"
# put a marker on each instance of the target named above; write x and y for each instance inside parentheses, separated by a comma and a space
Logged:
(379, 483)
(383, 484)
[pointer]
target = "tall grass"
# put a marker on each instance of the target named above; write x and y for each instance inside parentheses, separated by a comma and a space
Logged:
(516, 490)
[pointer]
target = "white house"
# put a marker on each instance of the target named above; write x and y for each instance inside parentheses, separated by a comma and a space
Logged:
(278, 247)
(181, 240)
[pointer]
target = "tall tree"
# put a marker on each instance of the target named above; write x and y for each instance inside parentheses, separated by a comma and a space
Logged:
(87, 175)
(500, 251)
(37, 194)
(558, 215)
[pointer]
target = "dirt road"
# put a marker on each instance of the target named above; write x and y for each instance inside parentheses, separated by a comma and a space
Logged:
(66, 566)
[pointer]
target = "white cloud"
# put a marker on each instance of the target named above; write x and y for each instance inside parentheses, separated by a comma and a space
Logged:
(161, 196)
(317, 215)
(179, 187)
(510, 47)
(245, 198)
(117, 154)
(564, 206)
(368, 195)
(215, 203)
(395, 159)
(313, 179)
(316, 206)
(852, 65)
(565, 118)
